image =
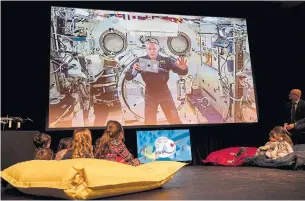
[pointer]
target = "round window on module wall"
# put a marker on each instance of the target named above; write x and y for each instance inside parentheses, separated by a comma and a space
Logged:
(179, 45)
(113, 42)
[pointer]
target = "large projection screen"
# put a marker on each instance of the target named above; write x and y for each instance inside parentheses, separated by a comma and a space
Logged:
(145, 69)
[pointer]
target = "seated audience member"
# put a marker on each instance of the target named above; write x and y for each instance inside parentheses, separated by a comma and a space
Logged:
(269, 146)
(81, 145)
(295, 107)
(44, 154)
(41, 140)
(284, 146)
(64, 145)
(111, 145)
(295, 111)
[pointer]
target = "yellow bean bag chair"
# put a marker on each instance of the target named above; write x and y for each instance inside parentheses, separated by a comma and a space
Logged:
(87, 178)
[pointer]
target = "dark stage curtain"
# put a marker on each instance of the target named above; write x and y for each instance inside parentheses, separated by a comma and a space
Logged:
(16, 147)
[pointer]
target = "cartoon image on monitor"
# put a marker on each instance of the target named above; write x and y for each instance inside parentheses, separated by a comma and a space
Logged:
(164, 145)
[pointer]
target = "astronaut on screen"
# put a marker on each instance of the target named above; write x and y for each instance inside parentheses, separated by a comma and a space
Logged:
(156, 90)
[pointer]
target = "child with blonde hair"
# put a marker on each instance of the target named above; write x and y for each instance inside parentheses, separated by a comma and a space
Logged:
(81, 145)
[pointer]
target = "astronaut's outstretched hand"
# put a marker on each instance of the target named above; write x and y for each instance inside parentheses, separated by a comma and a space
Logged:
(182, 63)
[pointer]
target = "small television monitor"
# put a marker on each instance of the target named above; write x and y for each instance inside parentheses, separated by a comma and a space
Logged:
(164, 145)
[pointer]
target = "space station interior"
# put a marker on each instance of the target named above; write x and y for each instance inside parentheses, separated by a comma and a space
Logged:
(91, 51)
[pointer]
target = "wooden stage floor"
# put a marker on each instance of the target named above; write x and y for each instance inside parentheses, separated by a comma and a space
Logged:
(210, 182)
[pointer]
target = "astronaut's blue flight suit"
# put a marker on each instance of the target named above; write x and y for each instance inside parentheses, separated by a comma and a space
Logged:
(157, 91)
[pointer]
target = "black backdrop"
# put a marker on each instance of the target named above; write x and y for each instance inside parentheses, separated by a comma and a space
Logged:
(276, 37)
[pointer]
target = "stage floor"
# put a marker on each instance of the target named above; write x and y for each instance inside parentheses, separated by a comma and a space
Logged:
(210, 182)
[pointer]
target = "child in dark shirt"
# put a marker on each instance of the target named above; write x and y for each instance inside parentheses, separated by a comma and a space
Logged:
(64, 146)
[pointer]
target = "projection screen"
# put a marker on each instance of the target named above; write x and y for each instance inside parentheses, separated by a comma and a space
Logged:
(145, 69)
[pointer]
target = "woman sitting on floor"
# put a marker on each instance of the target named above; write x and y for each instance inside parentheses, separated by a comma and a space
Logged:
(65, 145)
(111, 145)
(81, 145)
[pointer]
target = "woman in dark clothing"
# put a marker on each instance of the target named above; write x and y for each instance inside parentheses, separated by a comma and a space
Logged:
(111, 145)
(81, 145)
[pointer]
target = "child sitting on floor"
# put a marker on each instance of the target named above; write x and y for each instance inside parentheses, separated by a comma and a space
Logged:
(65, 144)
(81, 145)
(41, 140)
(269, 146)
(284, 146)
(111, 145)
(44, 154)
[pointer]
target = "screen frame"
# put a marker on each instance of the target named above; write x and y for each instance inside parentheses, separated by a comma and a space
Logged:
(47, 128)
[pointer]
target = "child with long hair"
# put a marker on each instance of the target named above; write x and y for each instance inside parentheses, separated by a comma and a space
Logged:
(111, 145)
(280, 146)
(269, 146)
(81, 145)
(283, 134)
(41, 140)
(284, 146)
(64, 145)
